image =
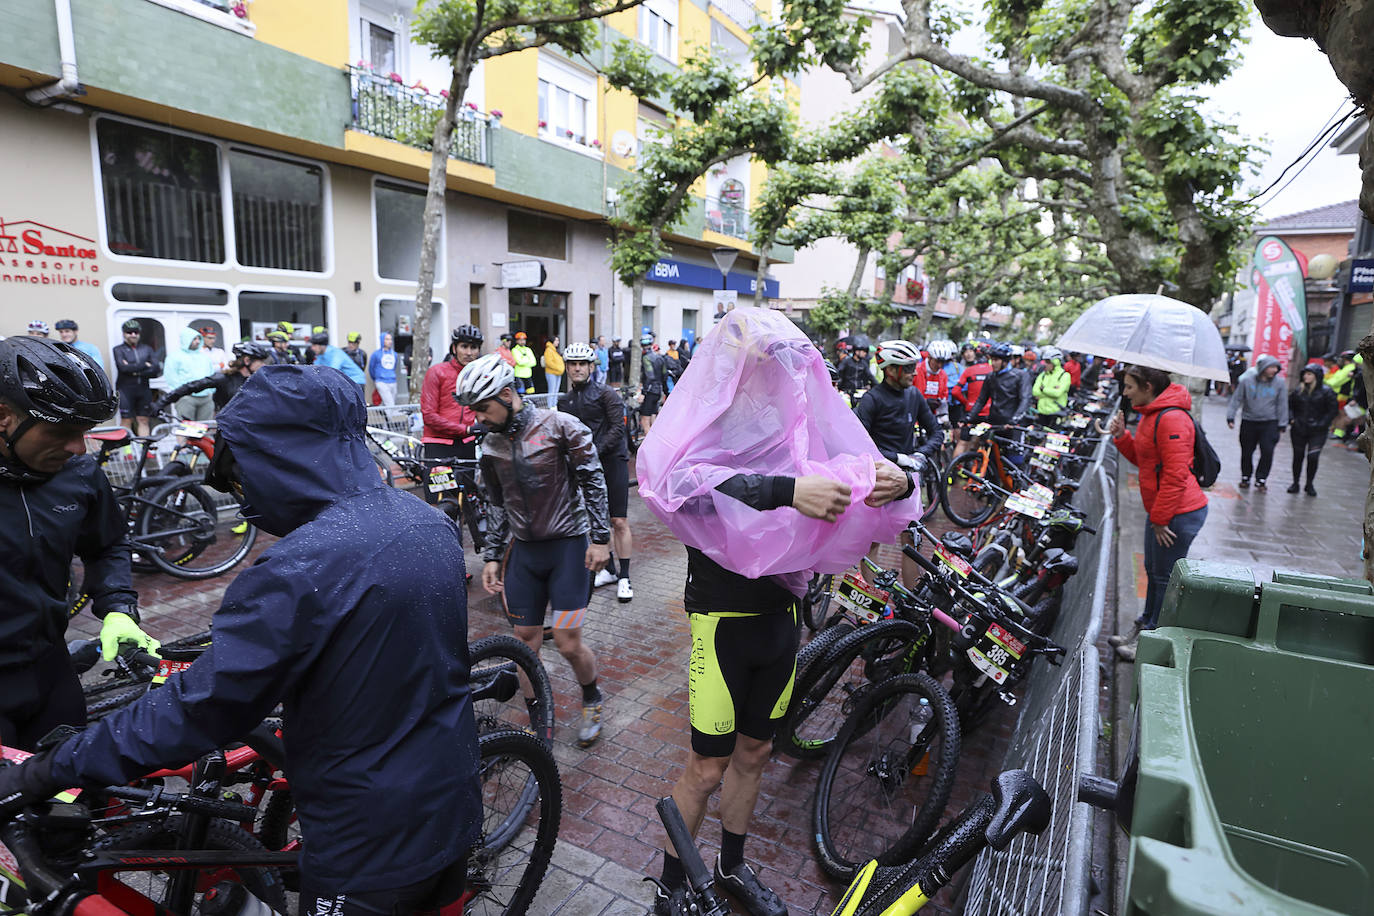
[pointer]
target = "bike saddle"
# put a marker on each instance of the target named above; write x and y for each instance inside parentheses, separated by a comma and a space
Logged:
(1069, 484)
(958, 543)
(1059, 560)
(1019, 804)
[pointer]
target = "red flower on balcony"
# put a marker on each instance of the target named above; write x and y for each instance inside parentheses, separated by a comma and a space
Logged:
(915, 291)
(472, 105)
(543, 123)
(596, 143)
(569, 133)
(496, 113)
(443, 93)
(240, 9)
(395, 77)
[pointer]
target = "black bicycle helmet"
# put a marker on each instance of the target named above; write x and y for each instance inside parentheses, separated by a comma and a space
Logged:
(66, 324)
(467, 333)
(54, 382)
(251, 349)
(321, 338)
(1002, 351)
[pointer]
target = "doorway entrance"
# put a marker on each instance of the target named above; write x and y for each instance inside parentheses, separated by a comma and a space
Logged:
(542, 315)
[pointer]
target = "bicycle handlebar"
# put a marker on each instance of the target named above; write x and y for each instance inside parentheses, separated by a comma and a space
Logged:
(211, 807)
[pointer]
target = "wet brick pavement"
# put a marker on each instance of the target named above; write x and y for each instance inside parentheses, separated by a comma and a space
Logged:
(610, 836)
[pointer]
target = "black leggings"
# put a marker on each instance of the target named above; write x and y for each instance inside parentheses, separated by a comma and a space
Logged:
(38, 697)
(1265, 434)
(1307, 443)
(428, 896)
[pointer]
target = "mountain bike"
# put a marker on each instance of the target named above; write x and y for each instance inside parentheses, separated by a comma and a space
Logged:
(634, 432)
(452, 480)
(1018, 804)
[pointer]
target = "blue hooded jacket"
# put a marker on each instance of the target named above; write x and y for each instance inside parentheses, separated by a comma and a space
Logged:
(335, 358)
(368, 658)
(186, 365)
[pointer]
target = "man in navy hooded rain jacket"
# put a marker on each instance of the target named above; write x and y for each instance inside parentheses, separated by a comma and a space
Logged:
(369, 659)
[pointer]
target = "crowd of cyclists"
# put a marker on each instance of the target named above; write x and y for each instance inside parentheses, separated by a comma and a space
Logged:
(368, 660)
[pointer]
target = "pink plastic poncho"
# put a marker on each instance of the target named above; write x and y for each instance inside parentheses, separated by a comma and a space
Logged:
(757, 399)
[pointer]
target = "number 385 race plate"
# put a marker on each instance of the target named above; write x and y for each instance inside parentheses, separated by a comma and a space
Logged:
(997, 651)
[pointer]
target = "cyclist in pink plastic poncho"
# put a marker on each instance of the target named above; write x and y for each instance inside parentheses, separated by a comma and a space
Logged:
(759, 466)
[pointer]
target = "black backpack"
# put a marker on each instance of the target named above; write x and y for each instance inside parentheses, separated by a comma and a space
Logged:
(1206, 465)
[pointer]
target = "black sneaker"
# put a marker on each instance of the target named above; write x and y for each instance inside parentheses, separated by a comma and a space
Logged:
(746, 887)
(1259, 485)
(670, 903)
(1245, 483)
(1311, 490)
(1294, 487)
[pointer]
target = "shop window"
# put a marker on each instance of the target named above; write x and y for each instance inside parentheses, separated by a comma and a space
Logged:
(397, 318)
(259, 313)
(179, 295)
(399, 226)
(541, 236)
(161, 193)
(278, 212)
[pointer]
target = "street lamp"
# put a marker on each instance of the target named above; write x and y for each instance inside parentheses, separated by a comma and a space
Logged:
(725, 259)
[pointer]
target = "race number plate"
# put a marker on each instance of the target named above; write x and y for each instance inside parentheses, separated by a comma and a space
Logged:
(1040, 493)
(166, 668)
(862, 600)
(1020, 502)
(995, 652)
(441, 479)
(1079, 421)
(980, 430)
(1043, 458)
(191, 430)
(1057, 442)
(953, 561)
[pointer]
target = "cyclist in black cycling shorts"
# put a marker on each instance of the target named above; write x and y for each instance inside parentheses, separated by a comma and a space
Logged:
(601, 410)
(546, 493)
(56, 504)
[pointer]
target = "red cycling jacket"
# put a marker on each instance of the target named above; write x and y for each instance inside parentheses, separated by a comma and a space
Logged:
(932, 384)
(1075, 371)
(970, 384)
(1167, 484)
(445, 419)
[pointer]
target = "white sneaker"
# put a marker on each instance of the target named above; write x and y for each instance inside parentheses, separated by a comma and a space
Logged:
(624, 593)
(604, 577)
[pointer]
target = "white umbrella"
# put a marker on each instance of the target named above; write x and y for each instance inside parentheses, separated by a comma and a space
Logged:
(1148, 330)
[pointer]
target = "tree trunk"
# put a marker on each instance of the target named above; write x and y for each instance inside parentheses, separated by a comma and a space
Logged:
(433, 222)
(1366, 447)
(762, 269)
(636, 326)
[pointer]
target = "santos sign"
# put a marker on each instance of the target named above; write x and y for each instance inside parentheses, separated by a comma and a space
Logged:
(681, 273)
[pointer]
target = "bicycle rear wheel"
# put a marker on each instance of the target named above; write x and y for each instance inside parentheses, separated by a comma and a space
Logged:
(522, 805)
(500, 656)
(968, 500)
(826, 692)
(187, 535)
(886, 781)
(815, 604)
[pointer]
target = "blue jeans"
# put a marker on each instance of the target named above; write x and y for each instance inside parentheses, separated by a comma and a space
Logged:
(1160, 560)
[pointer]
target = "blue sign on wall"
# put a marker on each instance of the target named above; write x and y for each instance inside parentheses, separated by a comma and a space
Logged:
(681, 273)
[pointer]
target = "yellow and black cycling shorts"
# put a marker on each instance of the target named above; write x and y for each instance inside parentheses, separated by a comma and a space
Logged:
(740, 676)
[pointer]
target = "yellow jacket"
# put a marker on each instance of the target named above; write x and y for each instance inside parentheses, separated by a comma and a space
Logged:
(524, 360)
(553, 360)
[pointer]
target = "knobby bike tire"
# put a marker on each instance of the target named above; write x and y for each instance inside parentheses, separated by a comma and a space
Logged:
(522, 805)
(824, 696)
(873, 800)
(930, 492)
(263, 883)
(815, 604)
(102, 703)
(809, 655)
(184, 543)
(967, 503)
(489, 656)
(274, 830)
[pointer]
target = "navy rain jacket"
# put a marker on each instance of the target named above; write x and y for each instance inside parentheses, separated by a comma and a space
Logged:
(369, 659)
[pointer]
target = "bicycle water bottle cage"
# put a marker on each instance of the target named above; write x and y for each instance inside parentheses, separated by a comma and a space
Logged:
(958, 543)
(1021, 805)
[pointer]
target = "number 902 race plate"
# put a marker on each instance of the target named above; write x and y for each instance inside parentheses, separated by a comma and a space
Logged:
(864, 601)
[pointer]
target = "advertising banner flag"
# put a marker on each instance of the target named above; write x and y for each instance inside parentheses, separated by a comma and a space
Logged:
(1280, 303)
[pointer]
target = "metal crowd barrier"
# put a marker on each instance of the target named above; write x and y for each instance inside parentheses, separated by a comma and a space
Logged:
(400, 418)
(1056, 737)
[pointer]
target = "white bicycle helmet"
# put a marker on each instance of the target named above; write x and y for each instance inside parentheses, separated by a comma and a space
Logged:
(941, 349)
(483, 378)
(1051, 353)
(579, 353)
(897, 353)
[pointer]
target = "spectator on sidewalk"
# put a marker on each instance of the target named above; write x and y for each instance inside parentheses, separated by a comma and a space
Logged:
(354, 351)
(603, 360)
(1311, 408)
(209, 337)
(552, 361)
(1162, 450)
(1261, 399)
(135, 363)
(382, 367)
(67, 330)
(186, 364)
(504, 349)
(525, 362)
(616, 358)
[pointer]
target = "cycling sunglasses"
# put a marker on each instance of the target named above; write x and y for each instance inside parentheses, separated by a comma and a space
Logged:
(223, 471)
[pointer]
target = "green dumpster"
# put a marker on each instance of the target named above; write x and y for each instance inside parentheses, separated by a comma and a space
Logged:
(1256, 739)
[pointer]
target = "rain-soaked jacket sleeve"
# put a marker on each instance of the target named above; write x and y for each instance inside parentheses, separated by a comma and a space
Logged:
(613, 441)
(585, 465)
(255, 657)
(498, 526)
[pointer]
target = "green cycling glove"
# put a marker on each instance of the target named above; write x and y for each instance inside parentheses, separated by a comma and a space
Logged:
(120, 628)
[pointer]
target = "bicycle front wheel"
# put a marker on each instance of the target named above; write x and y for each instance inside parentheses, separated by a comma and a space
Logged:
(529, 706)
(887, 779)
(187, 535)
(968, 499)
(522, 805)
(825, 693)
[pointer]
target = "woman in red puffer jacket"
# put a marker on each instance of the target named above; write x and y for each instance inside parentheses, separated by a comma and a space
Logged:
(1162, 449)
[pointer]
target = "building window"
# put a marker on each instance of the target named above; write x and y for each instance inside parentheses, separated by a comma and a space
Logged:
(161, 192)
(379, 48)
(178, 295)
(725, 43)
(259, 313)
(567, 110)
(658, 29)
(475, 293)
(541, 236)
(278, 212)
(398, 226)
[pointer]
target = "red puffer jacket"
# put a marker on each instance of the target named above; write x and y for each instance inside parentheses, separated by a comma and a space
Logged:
(1170, 489)
(444, 417)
